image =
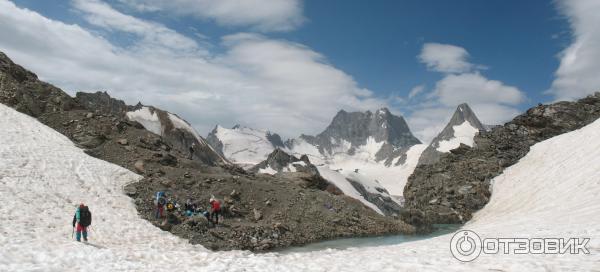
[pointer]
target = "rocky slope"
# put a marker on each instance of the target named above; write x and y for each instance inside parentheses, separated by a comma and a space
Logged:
(176, 131)
(262, 212)
(461, 128)
(354, 185)
(450, 190)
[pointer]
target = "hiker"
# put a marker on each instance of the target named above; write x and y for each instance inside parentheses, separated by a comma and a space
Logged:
(192, 148)
(215, 210)
(189, 207)
(160, 201)
(81, 220)
(170, 206)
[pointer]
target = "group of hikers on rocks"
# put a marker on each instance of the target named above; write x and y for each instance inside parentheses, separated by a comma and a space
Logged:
(190, 208)
(83, 216)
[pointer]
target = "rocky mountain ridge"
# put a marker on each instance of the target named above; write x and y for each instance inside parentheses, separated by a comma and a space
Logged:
(348, 131)
(452, 189)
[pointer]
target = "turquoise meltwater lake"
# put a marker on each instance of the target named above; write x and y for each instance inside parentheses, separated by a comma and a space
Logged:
(345, 243)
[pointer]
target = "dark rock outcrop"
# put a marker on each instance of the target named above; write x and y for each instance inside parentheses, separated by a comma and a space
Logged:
(182, 139)
(101, 102)
(452, 189)
(21, 89)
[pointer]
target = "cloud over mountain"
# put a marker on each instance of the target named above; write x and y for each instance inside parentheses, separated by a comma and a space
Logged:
(253, 80)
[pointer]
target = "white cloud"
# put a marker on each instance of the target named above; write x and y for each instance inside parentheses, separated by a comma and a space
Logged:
(579, 67)
(445, 58)
(474, 88)
(153, 35)
(416, 91)
(272, 15)
(257, 81)
(492, 101)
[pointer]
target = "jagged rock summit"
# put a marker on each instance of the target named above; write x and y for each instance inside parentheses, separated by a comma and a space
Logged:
(382, 132)
(461, 129)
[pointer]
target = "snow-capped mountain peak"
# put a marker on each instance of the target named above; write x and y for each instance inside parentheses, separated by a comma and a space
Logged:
(461, 128)
(377, 144)
(349, 131)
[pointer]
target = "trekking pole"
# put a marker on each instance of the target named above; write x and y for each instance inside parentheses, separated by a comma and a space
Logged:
(72, 232)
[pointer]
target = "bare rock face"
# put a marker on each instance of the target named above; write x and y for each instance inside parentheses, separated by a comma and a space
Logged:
(102, 103)
(356, 128)
(22, 90)
(452, 189)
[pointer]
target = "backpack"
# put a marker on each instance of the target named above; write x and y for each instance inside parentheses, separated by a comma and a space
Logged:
(85, 216)
(162, 201)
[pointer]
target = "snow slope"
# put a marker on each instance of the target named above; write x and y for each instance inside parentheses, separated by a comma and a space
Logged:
(244, 146)
(392, 178)
(551, 192)
(339, 180)
(148, 119)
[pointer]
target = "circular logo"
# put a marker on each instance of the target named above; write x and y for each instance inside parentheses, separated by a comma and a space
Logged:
(465, 245)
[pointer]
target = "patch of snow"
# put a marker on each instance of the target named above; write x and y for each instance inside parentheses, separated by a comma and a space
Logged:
(245, 146)
(301, 147)
(269, 170)
(301, 163)
(147, 118)
(391, 178)
(345, 186)
(463, 133)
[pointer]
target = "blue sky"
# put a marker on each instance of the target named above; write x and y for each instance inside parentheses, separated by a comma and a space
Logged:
(291, 65)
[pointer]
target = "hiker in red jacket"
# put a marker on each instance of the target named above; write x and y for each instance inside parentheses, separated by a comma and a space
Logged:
(215, 210)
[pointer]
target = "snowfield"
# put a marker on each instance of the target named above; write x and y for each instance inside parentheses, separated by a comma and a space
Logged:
(551, 192)
(392, 178)
(245, 146)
